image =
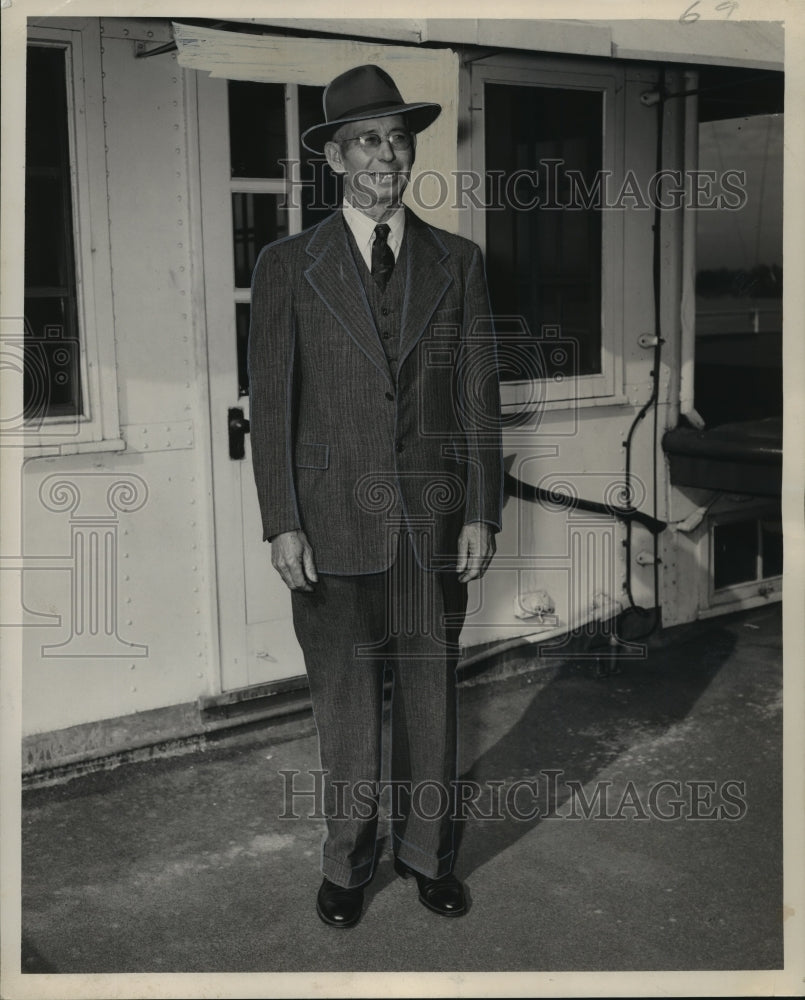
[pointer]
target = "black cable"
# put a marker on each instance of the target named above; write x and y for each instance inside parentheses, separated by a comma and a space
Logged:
(653, 399)
(514, 487)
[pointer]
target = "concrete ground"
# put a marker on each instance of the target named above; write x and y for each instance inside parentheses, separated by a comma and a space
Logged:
(184, 864)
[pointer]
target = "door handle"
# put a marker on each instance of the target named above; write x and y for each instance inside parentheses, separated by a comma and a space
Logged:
(238, 429)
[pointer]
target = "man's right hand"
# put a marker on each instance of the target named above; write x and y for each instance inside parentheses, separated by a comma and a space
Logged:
(292, 558)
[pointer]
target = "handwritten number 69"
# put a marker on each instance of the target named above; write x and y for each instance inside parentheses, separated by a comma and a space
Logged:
(691, 16)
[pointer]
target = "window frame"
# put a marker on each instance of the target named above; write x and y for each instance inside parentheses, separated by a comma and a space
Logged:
(760, 588)
(97, 426)
(606, 386)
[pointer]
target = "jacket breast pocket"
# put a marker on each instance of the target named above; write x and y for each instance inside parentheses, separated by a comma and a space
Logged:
(312, 456)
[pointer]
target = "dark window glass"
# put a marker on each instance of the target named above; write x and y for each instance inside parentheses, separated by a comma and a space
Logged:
(735, 550)
(52, 381)
(46, 262)
(321, 190)
(243, 314)
(257, 129)
(543, 259)
(772, 541)
(257, 219)
(739, 279)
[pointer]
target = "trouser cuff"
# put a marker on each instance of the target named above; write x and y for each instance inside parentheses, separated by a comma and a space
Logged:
(347, 876)
(424, 863)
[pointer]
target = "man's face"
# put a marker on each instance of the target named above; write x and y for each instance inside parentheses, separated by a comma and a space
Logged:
(374, 178)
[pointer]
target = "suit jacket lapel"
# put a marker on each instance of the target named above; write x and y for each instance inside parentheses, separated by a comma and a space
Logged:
(334, 277)
(426, 280)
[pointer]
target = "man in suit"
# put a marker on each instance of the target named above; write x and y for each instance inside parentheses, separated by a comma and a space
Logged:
(376, 448)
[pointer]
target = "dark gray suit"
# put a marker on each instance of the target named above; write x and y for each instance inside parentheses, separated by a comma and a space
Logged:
(327, 442)
(380, 462)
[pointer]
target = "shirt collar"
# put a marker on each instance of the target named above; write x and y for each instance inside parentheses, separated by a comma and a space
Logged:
(363, 228)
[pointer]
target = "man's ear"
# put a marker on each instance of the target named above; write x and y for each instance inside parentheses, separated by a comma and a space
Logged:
(333, 153)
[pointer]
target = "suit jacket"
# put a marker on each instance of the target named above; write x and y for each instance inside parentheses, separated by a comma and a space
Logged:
(342, 450)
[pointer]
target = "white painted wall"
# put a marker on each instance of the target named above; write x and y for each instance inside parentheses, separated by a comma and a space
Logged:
(165, 598)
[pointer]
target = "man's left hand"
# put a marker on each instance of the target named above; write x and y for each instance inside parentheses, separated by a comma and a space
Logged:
(476, 546)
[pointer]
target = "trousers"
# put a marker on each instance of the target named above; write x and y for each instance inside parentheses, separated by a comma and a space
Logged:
(353, 630)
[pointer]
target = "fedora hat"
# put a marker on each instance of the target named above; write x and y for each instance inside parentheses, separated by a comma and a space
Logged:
(365, 92)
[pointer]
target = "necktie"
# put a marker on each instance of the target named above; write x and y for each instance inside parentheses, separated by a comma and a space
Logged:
(382, 257)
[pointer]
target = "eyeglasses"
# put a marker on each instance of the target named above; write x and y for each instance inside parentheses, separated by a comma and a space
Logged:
(372, 141)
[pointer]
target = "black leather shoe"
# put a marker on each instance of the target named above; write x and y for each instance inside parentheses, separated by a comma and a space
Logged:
(337, 906)
(443, 895)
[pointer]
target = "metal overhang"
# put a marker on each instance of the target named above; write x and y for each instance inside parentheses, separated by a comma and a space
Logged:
(750, 44)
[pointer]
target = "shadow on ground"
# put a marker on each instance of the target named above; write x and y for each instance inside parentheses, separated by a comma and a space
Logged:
(183, 864)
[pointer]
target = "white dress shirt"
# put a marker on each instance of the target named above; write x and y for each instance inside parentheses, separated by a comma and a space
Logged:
(363, 229)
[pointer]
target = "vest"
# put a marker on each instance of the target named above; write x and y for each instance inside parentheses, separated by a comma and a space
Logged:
(386, 306)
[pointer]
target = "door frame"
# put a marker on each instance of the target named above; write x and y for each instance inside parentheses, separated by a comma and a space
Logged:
(209, 115)
(264, 651)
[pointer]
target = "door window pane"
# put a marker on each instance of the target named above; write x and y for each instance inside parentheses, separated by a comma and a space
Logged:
(257, 219)
(321, 192)
(256, 128)
(267, 212)
(544, 260)
(243, 313)
(52, 380)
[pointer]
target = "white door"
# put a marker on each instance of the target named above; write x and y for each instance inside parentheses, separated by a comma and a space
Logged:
(246, 131)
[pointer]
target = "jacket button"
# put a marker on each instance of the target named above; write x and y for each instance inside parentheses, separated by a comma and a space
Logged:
(384, 311)
(390, 396)
(399, 446)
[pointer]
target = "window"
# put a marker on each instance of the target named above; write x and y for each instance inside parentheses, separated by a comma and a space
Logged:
(277, 185)
(52, 384)
(746, 556)
(544, 263)
(739, 250)
(542, 138)
(70, 387)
